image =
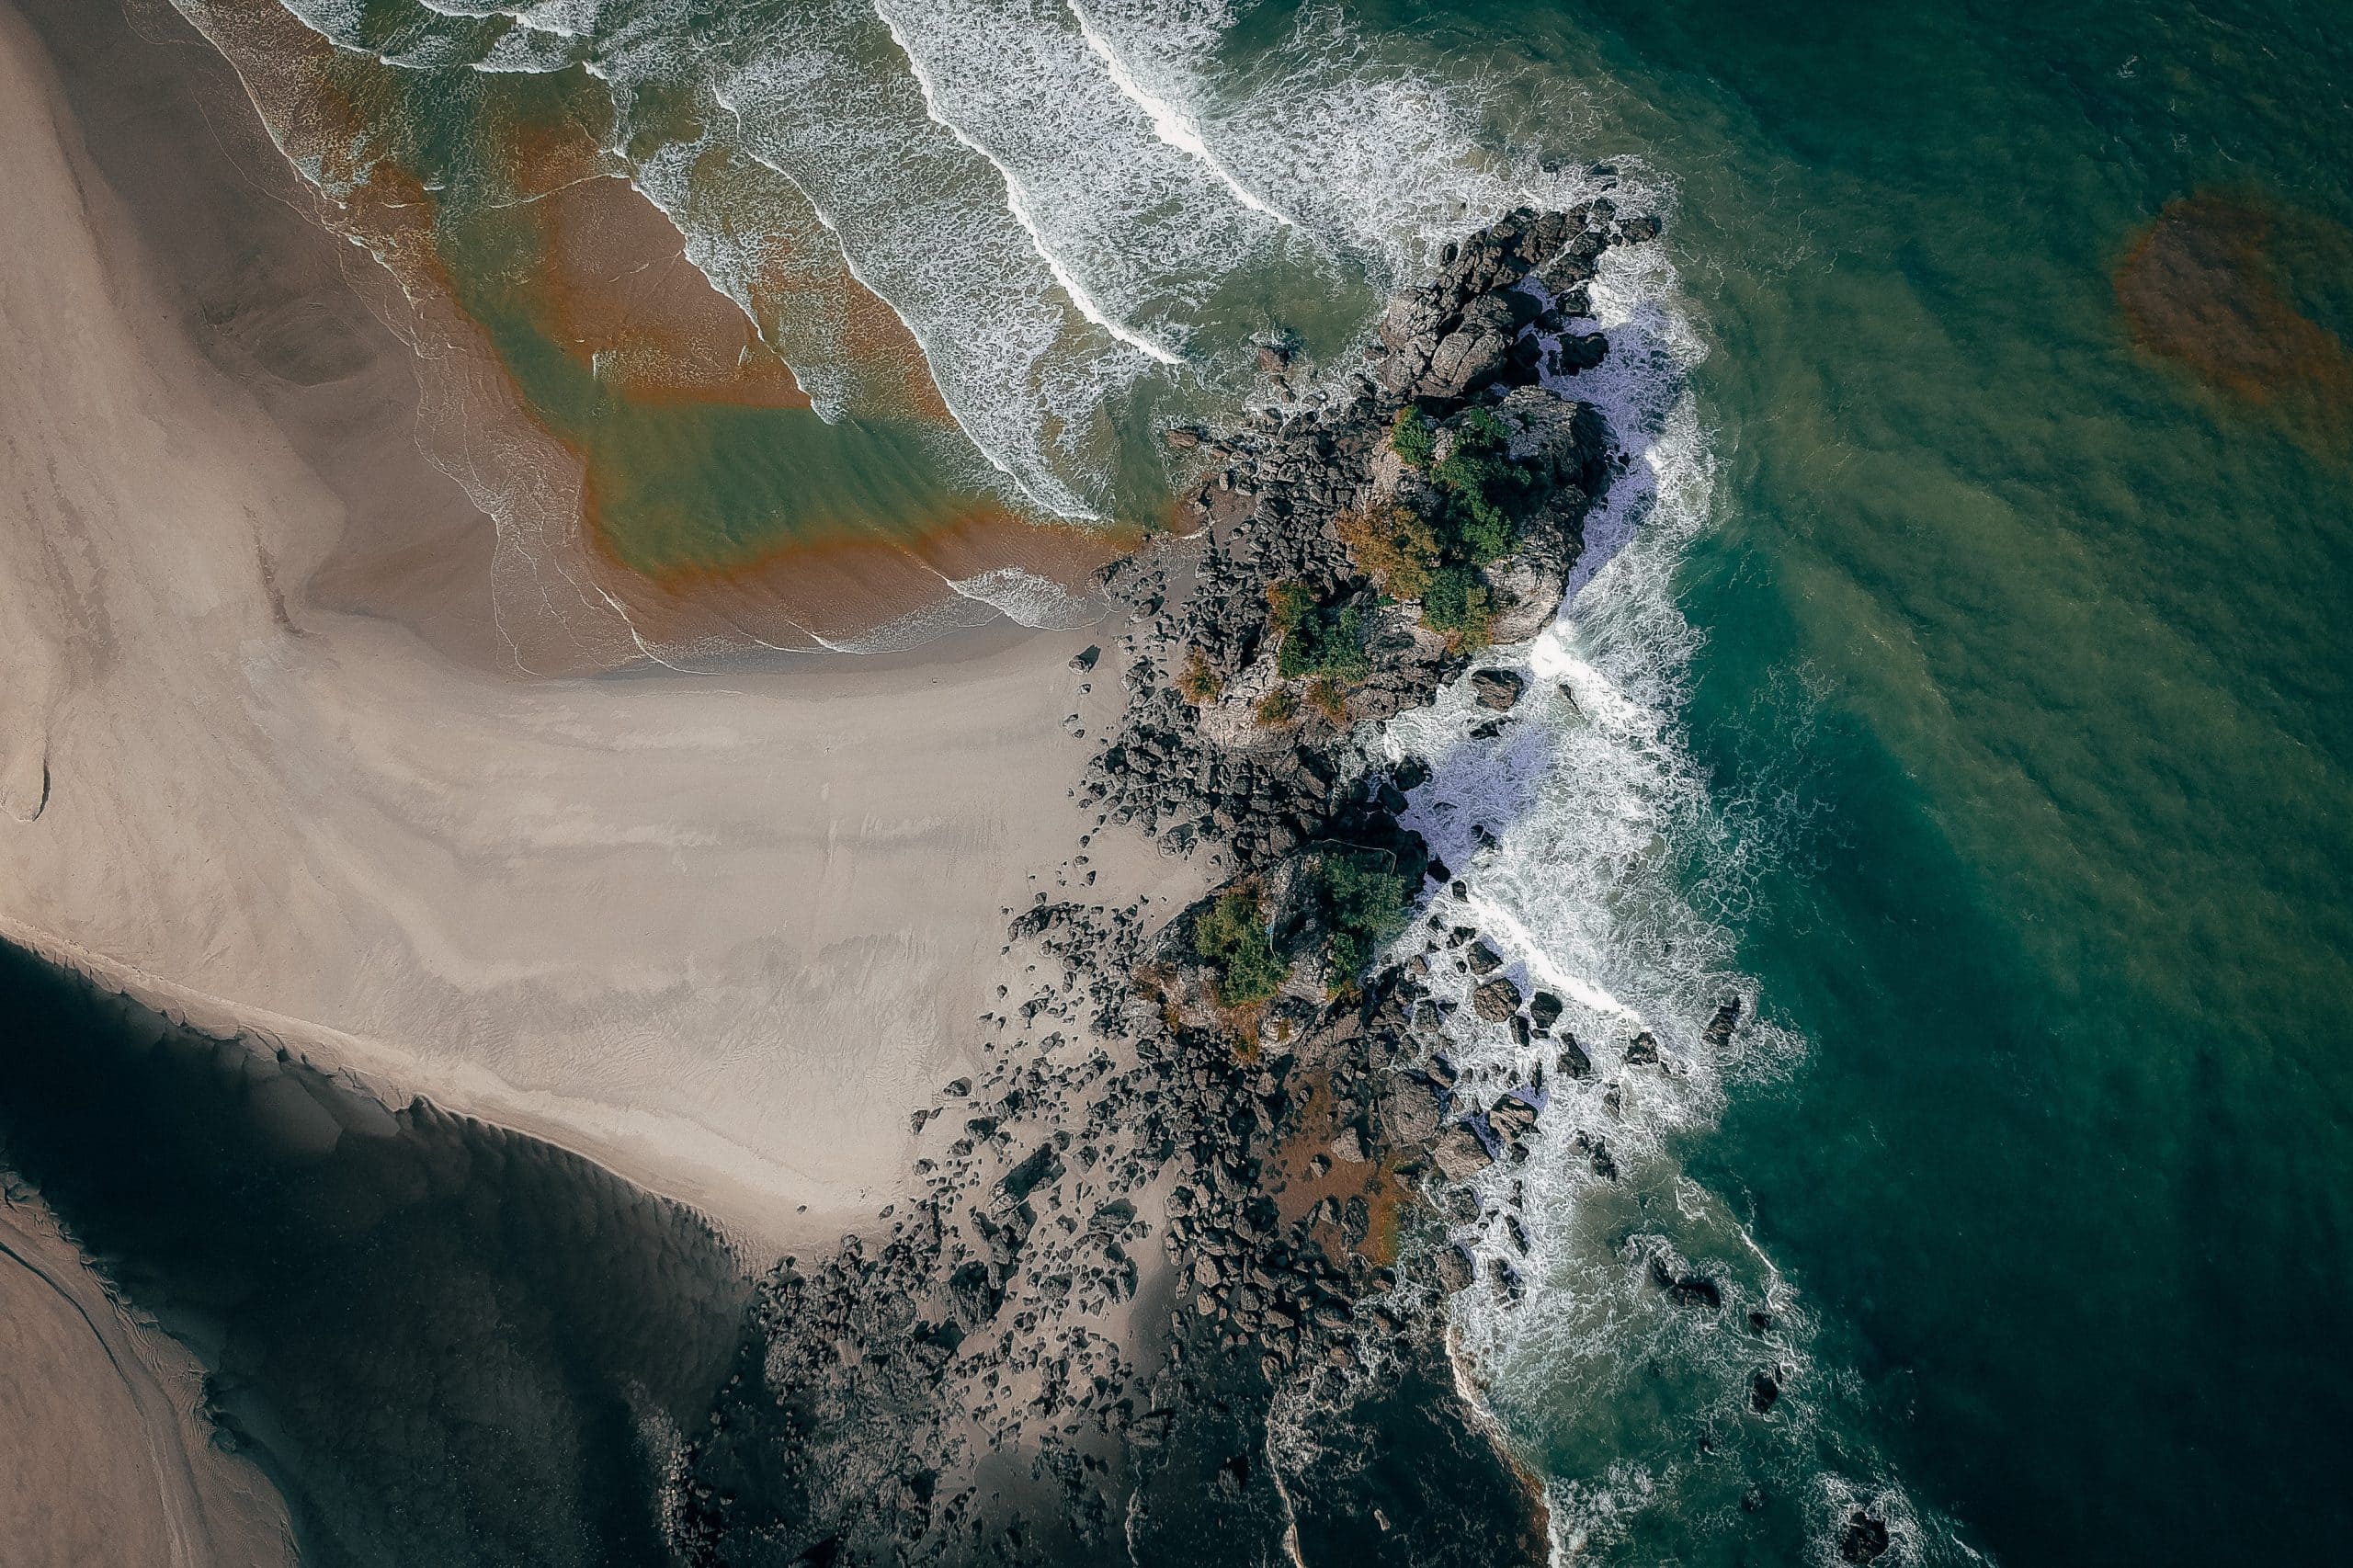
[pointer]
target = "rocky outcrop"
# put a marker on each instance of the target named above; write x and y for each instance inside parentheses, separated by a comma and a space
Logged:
(1233, 1114)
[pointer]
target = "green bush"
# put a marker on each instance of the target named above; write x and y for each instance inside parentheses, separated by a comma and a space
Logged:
(1230, 936)
(1278, 707)
(1366, 898)
(1395, 544)
(1412, 438)
(1459, 603)
(1487, 493)
(1317, 640)
(1198, 683)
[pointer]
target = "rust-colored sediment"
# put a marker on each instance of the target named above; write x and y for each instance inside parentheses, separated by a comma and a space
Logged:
(872, 338)
(615, 291)
(547, 148)
(1291, 1182)
(618, 285)
(2198, 288)
(838, 589)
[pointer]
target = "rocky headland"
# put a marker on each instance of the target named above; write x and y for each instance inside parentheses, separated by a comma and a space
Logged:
(1175, 1286)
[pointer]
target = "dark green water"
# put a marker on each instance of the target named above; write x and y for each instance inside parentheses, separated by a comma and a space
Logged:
(2050, 630)
(445, 1342)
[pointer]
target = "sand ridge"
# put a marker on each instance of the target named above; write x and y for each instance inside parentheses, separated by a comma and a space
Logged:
(127, 1475)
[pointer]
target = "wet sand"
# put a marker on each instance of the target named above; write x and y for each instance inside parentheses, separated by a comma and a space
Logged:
(718, 931)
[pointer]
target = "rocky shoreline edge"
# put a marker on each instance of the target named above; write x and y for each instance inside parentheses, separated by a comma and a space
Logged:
(1176, 1284)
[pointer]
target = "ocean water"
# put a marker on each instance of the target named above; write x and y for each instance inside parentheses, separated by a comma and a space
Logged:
(1956, 678)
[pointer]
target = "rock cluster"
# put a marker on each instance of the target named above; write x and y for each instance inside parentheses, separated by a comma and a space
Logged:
(1228, 1141)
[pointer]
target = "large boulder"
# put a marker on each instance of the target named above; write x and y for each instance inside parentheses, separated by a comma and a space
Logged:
(1409, 1113)
(1498, 690)
(1471, 356)
(1497, 1000)
(1460, 1153)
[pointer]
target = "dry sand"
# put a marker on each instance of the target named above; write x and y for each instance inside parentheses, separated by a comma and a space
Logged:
(721, 932)
(126, 1475)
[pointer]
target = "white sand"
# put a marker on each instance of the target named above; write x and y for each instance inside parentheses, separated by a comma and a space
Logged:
(719, 932)
(109, 1465)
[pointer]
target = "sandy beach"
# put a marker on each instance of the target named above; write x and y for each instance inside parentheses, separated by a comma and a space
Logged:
(720, 931)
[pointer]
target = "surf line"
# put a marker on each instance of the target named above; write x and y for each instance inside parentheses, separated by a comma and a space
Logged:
(1062, 501)
(1171, 124)
(1017, 202)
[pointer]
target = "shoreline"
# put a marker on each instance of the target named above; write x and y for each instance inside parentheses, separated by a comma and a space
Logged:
(724, 933)
(755, 903)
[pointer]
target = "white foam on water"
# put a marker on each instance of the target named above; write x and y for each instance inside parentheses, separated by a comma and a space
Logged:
(922, 222)
(1355, 142)
(1613, 872)
(1143, 233)
(1171, 124)
(1027, 599)
(1017, 202)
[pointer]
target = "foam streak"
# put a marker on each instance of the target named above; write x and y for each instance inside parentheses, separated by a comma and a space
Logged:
(1171, 124)
(1017, 202)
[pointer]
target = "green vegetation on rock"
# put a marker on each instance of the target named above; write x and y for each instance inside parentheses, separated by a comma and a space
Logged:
(1365, 896)
(1487, 493)
(1318, 640)
(1231, 938)
(1459, 603)
(1412, 438)
(1483, 500)
(1198, 683)
(1395, 544)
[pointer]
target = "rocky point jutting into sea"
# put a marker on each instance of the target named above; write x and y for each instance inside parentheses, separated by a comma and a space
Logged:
(1179, 1278)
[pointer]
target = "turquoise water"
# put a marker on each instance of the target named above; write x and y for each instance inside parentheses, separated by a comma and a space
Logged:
(2032, 638)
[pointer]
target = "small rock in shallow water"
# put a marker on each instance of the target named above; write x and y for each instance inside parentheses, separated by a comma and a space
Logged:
(1865, 1540)
(1718, 1030)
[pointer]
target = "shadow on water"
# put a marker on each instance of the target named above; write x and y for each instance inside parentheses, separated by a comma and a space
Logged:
(446, 1343)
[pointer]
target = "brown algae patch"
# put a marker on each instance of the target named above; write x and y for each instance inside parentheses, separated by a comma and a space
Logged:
(1308, 1176)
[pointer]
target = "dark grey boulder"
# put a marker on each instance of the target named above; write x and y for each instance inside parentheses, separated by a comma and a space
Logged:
(1498, 690)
